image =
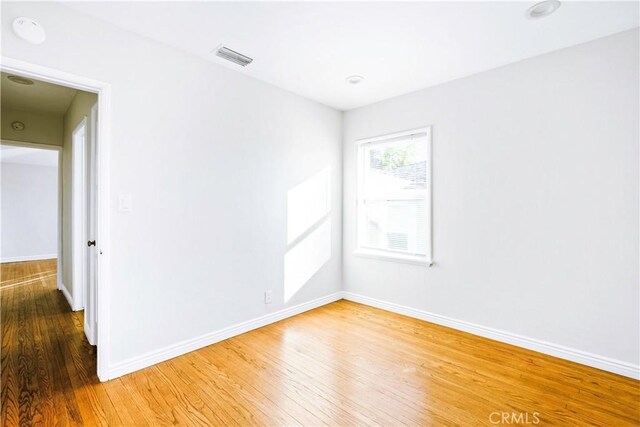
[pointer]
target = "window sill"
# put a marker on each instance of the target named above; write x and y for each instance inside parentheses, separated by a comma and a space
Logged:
(382, 256)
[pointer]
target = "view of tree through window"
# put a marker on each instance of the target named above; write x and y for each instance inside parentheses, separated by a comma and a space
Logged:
(393, 157)
(403, 160)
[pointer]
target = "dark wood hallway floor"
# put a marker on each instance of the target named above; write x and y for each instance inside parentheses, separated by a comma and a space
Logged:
(341, 364)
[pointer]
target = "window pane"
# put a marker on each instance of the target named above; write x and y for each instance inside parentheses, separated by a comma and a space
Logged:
(395, 225)
(395, 168)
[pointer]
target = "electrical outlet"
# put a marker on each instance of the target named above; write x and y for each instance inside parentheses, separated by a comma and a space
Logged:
(268, 297)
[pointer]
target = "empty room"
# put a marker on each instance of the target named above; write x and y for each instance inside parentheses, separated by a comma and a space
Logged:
(338, 213)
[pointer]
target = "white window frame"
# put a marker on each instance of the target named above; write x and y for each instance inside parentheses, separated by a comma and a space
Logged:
(382, 254)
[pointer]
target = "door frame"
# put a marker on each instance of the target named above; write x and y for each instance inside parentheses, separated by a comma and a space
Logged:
(79, 214)
(103, 90)
(90, 229)
(58, 149)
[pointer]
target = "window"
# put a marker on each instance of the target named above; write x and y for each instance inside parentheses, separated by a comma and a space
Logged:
(394, 196)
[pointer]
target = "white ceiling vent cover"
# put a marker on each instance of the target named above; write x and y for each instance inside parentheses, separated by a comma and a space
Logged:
(233, 56)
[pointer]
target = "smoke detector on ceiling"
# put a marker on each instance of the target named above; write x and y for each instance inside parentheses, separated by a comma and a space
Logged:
(29, 30)
(354, 80)
(542, 9)
(18, 126)
(233, 56)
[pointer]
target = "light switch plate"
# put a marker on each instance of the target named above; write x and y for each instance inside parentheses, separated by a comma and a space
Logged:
(125, 203)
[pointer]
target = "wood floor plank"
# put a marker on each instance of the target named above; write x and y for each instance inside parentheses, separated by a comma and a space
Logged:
(56, 311)
(29, 397)
(42, 362)
(341, 364)
(10, 388)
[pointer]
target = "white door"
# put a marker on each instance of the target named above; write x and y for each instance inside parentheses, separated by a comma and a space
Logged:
(90, 306)
(79, 214)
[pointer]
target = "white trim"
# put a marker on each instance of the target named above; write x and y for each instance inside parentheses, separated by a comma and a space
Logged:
(67, 296)
(60, 263)
(393, 257)
(78, 212)
(28, 258)
(91, 187)
(395, 135)
(52, 75)
(571, 354)
(26, 144)
(186, 346)
(89, 333)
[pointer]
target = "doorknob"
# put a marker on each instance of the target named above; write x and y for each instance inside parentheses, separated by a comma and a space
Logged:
(91, 243)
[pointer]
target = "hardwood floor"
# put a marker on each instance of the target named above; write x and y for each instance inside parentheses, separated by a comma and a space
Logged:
(341, 364)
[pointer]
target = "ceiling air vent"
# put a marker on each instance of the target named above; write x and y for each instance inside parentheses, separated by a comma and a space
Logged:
(233, 56)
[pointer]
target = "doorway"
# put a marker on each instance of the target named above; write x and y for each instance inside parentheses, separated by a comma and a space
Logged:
(83, 238)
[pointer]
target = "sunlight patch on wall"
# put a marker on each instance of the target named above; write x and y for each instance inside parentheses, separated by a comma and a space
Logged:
(308, 231)
(305, 259)
(307, 203)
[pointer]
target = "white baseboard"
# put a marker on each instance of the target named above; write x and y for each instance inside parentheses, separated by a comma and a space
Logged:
(578, 356)
(28, 258)
(89, 332)
(187, 346)
(67, 295)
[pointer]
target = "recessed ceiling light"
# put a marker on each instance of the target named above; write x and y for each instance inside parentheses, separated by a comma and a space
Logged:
(542, 9)
(29, 30)
(354, 80)
(20, 80)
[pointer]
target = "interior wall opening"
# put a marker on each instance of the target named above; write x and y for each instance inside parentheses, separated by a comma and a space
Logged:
(46, 125)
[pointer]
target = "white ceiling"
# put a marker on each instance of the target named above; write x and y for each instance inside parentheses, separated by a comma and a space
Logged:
(28, 156)
(39, 97)
(309, 48)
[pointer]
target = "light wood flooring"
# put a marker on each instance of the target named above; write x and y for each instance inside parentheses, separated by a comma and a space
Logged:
(342, 364)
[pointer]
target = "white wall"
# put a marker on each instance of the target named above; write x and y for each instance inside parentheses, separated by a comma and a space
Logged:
(535, 174)
(79, 108)
(29, 227)
(43, 128)
(208, 156)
